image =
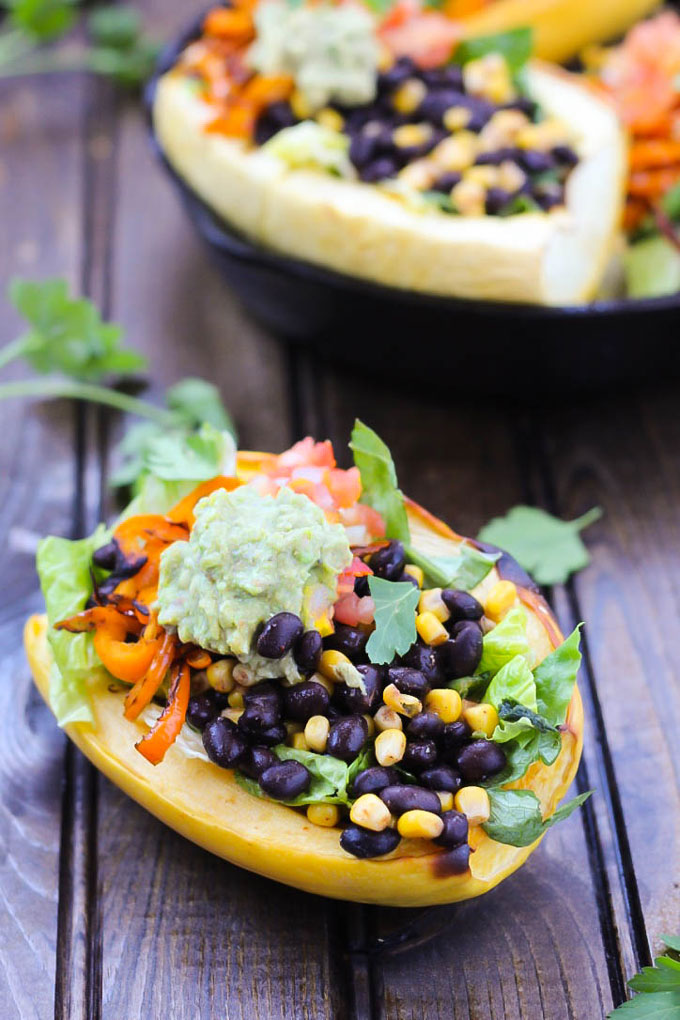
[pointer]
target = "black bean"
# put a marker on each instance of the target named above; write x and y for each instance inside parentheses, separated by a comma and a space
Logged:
(346, 737)
(401, 798)
(348, 640)
(461, 625)
(304, 700)
(455, 829)
(307, 651)
(437, 102)
(267, 694)
(535, 162)
(496, 200)
(379, 170)
(419, 755)
(202, 708)
(272, 736)
(389, 562)
(455, 862)
(106, 556)
(373, 779)
(452, 739)
(286, 780)
(396, 75)
(363, 148)
(423, 658)
(523, 104)
(353, 699)
(361, 587)
(409, 579)
(461, 656)
(223, 743)
(462, 605)
(256, 760)
(364, 843)
(495, 159)
(547, 200)
(408, 681)
(565, 155)
(426, 726)
(441, 777)
(260, 714)
(273, 119)
(452, 75)
(278, 635)
(447, 181)
(479, 760)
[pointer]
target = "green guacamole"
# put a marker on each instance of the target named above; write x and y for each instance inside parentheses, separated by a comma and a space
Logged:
(249, 557)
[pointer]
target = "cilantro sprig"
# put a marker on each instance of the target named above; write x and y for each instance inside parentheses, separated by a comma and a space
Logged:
(657, 987)
(33, 41)
(395, 621)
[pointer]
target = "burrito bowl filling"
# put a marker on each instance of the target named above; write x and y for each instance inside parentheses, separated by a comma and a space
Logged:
(395, 101)
(336, 669)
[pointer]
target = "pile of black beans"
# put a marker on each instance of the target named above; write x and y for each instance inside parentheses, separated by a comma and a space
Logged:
(439, 756)
(376, 156)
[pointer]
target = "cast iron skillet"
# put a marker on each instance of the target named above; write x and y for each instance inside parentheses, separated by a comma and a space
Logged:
(433, 340)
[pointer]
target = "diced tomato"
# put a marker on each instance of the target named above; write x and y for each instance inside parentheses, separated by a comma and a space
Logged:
(352, 610)
(363, 520)
(308, 453)
(344, 486)
(427, 37)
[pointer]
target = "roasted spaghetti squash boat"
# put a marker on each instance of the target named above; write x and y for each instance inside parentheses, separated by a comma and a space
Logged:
(311, 676)
(366, 147)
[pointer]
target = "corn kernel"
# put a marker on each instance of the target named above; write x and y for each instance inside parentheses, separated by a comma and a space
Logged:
(390, 746)
(481, 719)
(456, 118)
(370, 724)
(489, 76)
(316, 733)
(501, 597)
(500, 132)
(233, 714)
(420, 174)
(244, 675)
(431, 602)
(387, 719)
(293, 727)
(476, 836)
(318, 678)
(337, 667)
(469, 197)
(326, 815)
(331, 119)
(300, 106)
(510, 176)
(456, 153)
(474, 803)
(445, 703)
(484, 174)
(299, 743)
(404, 704)
(409, 96)
(220, 675)
(420, 825)
(543, 136)
(415, 572)
(431, 630)
(408, 136)
(235, 699)
(445, 799)
(370, 812)
(385, 58)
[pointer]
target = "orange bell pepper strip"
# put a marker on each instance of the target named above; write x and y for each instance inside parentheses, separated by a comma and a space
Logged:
(141, 694)
(98, 617)
(231, 24)
(198, 659)
(646, 153)
(126, 661)
(183, 512)
(163, 734)
(653, 184)
(137, 532)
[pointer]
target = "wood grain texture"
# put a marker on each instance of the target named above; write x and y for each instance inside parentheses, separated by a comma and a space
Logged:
(40, 184)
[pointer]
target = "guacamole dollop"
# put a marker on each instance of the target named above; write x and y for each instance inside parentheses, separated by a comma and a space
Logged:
(330, 51)
(249, 557)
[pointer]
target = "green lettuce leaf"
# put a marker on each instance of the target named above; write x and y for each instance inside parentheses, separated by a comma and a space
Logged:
(507, 639)
(395, 619)
(64, 571)
(310, 145)
(516, 819)
(330, 778)
(652, 268)
(379, 480)
(466, 571)
(555, 678)
(515, 45)
(515, 682)
(528, 747)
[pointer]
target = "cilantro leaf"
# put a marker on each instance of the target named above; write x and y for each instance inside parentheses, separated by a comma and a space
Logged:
(395, 620)
(42, 20)
(650, 1006)
(174, 455)
(379, 480)
(663, 977)
(198, 401)
(529, 747)
(550, 549)
(511, 711)
(672, 942)
(516, 819)
(515, 45)
(117, 27)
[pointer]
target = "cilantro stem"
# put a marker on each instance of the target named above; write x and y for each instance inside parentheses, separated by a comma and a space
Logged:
(50, 388)
(586, 519)
(15, 349)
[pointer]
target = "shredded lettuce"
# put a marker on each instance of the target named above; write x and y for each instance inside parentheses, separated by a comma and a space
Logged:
(555, 678)
(330, 778)
(507, 639)
(310, 145)
(514, 682)
(652, 268)
(516, 818)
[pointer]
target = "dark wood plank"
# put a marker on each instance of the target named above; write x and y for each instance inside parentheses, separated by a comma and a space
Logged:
(539, 934)
(40, 181)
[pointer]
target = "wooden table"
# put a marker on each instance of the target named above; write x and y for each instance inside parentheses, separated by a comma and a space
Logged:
(105, 912)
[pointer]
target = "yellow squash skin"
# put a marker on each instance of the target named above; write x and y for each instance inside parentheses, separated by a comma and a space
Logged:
(561, 27)
(204, 803)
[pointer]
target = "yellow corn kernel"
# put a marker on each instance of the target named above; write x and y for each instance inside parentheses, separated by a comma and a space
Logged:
(293, 727)
(235, 699)
(502, 129)
(370, 724)
(456, 153)
(469, 198)
(543, 136)
(481, 719)
(445, 703)
(489, 76)
(415, 572)
(324, 625)
(501, 597)
(244, 675)
(473, 801)
(420, 825)
(316, 733)
(510, 176)
(431, 601)
(370, 812)
(456, 118)
(337, 667)
(387, 719)
(430, 629)
(318, 678)
(220, 675)
(485, 175)
(408, 136)
(234, 714)
(390, 746)
(326, 815)
(299, 743)
(300, 106)
(331, 119)
(385, 58)
(409, 96)
(420, 175)
(476, 836)
(445, 799)
(404, 704)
